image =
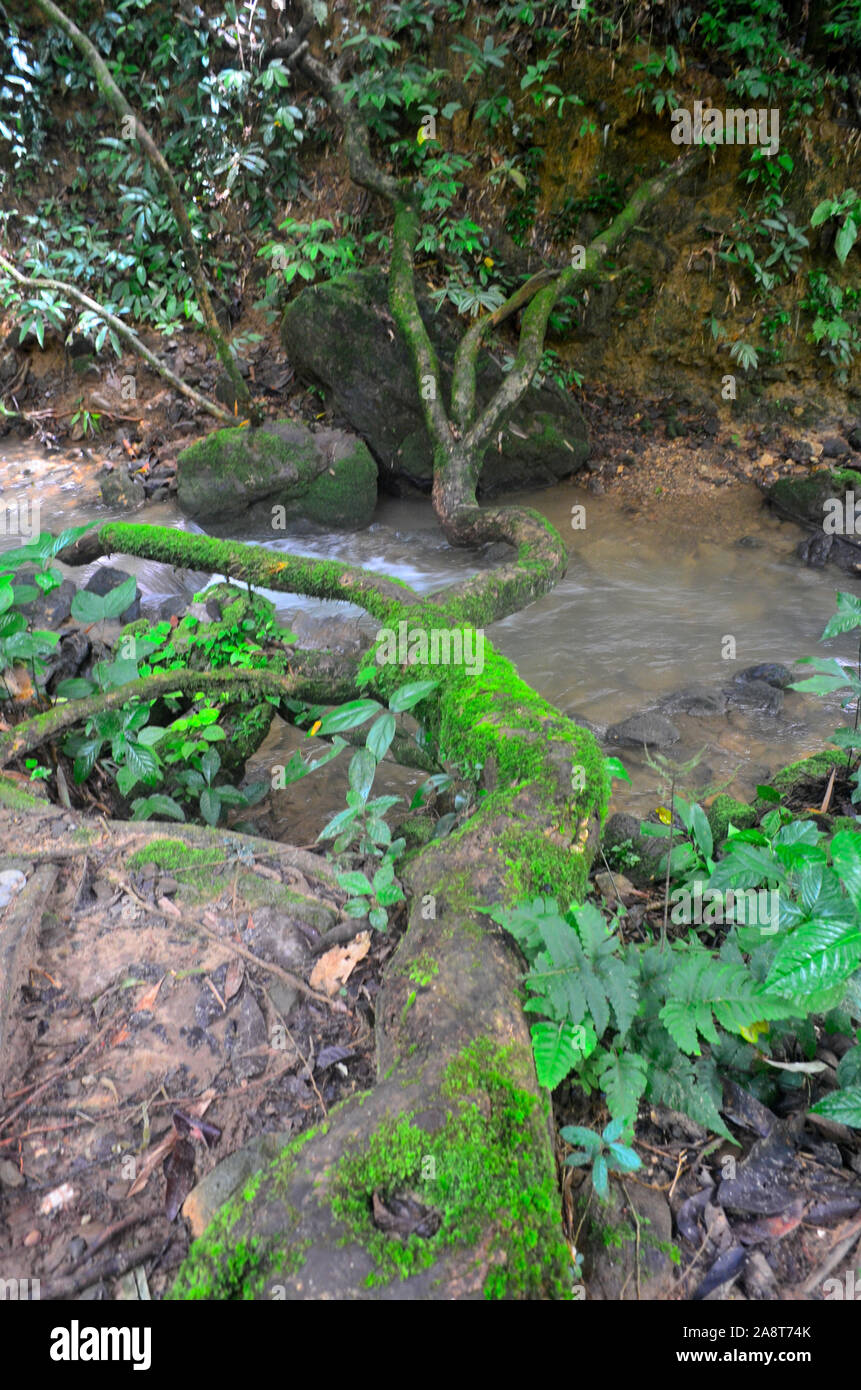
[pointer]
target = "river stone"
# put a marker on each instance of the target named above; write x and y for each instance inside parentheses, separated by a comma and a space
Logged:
(240, 476)
(341, 336)
(696, 700)
(769, 671)
(755, 695)
(651, 729)
(48, 610)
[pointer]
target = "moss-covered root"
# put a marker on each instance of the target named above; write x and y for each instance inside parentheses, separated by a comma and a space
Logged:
(440, 1183)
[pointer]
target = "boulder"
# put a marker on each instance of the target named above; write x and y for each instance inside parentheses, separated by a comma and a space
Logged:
(277, 474)
(828, 504)
(340, 335)
(651, 729)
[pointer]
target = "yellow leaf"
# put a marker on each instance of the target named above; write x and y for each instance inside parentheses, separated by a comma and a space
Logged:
(314, 727)
(488, 261)
(752, 1032)
(664, 815)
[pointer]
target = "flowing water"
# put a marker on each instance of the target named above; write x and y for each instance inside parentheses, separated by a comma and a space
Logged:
(657, 597)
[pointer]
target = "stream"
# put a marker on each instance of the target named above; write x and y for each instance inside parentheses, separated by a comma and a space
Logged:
(652, 594)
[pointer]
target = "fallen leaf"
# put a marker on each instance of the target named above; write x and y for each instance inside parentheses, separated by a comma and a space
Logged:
(335, 967)
(148, 998)
(234, 977)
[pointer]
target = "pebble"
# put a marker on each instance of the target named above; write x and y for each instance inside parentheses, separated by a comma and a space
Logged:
(32, 1238)
(10, 1176)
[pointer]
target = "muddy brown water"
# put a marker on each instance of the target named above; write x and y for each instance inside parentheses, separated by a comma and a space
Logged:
(681, 592)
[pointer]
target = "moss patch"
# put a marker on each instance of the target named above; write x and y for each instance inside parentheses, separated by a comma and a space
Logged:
(481, 1171)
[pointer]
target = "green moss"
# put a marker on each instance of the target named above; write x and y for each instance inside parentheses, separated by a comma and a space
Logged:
(812, 769)
(725, 809)
(481, 1172)
(16, 798)
(218, 1267)
(174, 855)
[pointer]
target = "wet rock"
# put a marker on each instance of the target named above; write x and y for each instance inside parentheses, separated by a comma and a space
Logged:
(341, 335)
(172, 607)
(611, 1250)
(755, 695)
(67, 659)
(815, 550)
(206, 1199)
(696, 700)
(250, 1042)
(854, 437)
(636, 856)
(769, 671)
(834, 448)
(277, 937)
(48, 610)
(651, 729)
(108, 577)
(117, 489)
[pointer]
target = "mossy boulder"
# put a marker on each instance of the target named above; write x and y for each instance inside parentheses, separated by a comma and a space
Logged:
(340, 335)
(827, 503)
(275, 475)
(725, 811)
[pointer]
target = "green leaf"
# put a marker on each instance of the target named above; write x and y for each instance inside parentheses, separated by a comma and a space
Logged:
(410, 695)
(846, 856)
(381, 734)
(363, 767)
(356, 907)
(843, 1106)
(349, 716)
(600, 1178)
(157, 805)
(338, 823)
(616, 769)
(75, 688)
(587, 1138)
(819, 954)
(558, 1047)
(847, 617)
(623, 1159)
(210, 805)
(701, 987)
(622, 1077)
(210, 764)
(88, 607)
(378, 918)
(355, 882)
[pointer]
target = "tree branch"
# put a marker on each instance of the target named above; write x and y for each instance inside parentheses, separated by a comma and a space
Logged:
(122, 330)
(253, 564)
(118, 103)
